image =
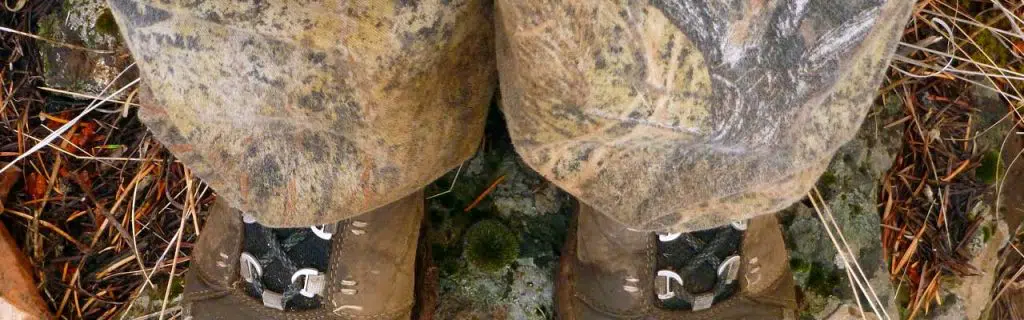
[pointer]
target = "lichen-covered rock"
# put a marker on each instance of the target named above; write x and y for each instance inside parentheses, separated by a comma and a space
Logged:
(88, 24)
(520, 196)
(532, 208)
(850, 189)
(522, 291)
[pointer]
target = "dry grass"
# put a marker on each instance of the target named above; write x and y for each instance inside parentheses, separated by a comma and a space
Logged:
(103, 212)
(950, 48)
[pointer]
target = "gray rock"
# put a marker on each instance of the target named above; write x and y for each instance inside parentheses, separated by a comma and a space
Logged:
(524, 192)
(850, 189)
(88, 24)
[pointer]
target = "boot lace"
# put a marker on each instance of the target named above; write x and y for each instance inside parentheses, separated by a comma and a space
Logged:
(698, 269)
(285, 266)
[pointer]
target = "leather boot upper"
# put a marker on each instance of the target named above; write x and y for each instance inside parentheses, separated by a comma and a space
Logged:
(371, 273)
(607, 272)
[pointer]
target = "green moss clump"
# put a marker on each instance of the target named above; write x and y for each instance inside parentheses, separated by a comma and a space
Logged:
(993, 48)
(490, 245)
(800, 266)
(820, 278)
(105, 24)
(827, 180)
(986, 232)
(829, 183)
(989, 167)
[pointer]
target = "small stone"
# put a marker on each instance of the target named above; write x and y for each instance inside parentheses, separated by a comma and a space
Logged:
(89, 24)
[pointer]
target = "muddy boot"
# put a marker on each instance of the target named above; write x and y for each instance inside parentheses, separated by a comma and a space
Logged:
(359, 268)
(738, 271)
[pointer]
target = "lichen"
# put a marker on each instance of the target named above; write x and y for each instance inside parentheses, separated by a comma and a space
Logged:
(85, 23)
(490, 245)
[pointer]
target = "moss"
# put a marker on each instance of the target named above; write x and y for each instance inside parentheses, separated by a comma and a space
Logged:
(856, 210)
(827, 179)
(990, 166)
(799, 266)
(490, 245)
(105, 24)
(828, 184)
(993, 48)
(986, 232)
(820, 279)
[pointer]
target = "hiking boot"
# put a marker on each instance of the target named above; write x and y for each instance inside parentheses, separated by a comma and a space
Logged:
(738, 271)
(359, 268)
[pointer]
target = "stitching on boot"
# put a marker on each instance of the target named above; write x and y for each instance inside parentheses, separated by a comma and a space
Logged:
(334, 272)
(651, 252)
(385, 315)
(645, 275)
(205, 294)
(703, 314)
(259, 308)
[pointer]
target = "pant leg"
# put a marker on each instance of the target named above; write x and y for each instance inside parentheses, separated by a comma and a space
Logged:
(687, 114)
(308, 112)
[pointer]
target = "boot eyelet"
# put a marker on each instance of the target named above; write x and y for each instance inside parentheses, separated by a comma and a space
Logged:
(729, 270)
(667, 237)
(250, 268)
(665, 288)
(324, 231)
(313, 282)
(740, 225)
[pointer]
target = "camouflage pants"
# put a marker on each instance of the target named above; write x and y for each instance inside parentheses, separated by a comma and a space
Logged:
(663, 114)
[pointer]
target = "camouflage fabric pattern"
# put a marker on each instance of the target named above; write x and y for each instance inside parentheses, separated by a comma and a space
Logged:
(307, 112)
(664, 114)
(684, 115)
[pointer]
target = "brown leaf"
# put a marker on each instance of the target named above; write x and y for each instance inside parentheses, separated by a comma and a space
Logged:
(35, 185)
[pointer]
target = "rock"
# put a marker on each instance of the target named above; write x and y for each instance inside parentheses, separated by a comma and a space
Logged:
(850, 189)
(971, 294)
(520, 194)
(89, 24)
(952, 309)
(850, 312)
(531, 293)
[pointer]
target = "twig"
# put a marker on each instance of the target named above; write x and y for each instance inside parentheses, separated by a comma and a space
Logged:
(484, 194)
